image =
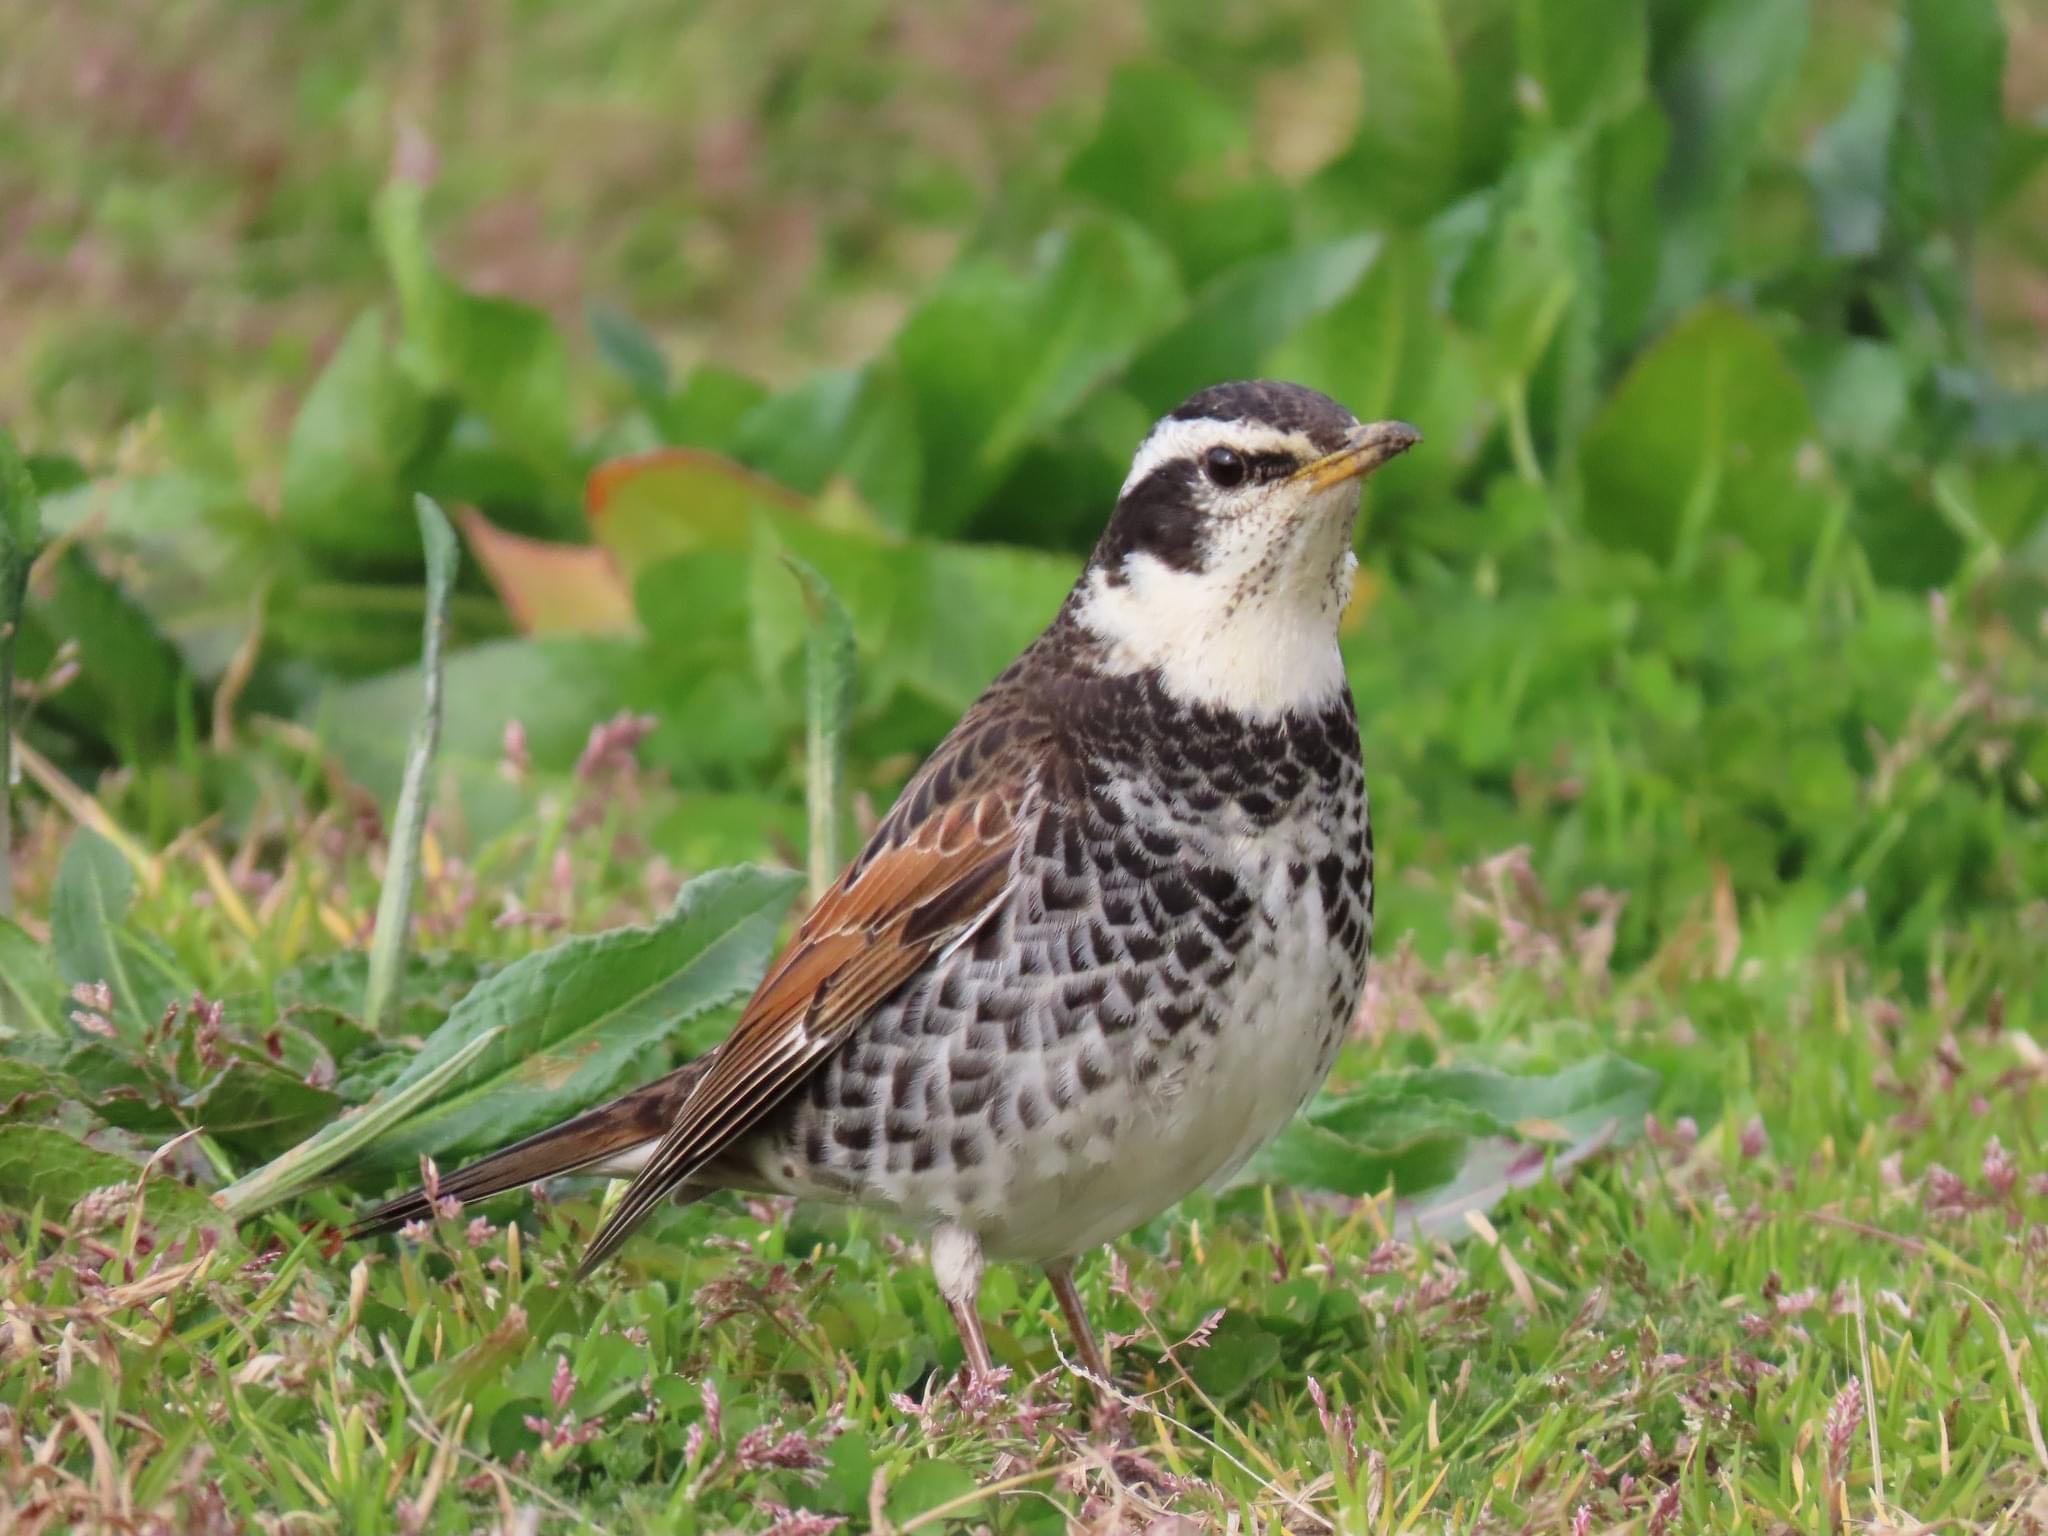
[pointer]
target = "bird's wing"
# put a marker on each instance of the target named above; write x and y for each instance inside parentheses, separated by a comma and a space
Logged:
(935, 868)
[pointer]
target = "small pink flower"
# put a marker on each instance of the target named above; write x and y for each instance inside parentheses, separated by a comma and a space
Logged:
(1755, 1139)
(563, 1387)
(2001, 1173)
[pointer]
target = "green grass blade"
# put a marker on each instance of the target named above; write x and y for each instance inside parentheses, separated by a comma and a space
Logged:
(285, 1176)
(20, 535)
(401, 874)
(828, 669)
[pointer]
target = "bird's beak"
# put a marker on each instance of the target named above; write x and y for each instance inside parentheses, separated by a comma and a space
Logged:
(1370, 446)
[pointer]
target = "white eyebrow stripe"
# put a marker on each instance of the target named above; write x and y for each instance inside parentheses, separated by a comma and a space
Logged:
(1173, 439)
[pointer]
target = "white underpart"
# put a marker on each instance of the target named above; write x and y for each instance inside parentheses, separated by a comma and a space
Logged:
(1256, 629)
(957, 1263)
(624, 1164)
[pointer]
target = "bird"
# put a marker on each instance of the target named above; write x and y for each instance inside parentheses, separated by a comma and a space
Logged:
(1112, 933)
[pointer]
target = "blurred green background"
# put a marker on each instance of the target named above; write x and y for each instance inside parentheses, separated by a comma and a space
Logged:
(1725, 320)
(1701, 654)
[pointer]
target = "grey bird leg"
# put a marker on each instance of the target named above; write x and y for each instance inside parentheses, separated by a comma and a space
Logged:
(1061, 1273)
(957, 1265)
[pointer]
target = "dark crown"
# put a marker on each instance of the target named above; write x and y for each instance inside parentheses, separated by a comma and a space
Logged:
(1273, 403)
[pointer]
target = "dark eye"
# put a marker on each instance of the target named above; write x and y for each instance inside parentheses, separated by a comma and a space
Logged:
(1224, 467)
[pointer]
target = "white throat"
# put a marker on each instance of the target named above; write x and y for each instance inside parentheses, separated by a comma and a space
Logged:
(1245, 636)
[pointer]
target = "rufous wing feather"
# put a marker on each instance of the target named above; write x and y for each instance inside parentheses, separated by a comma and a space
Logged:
(924, 882)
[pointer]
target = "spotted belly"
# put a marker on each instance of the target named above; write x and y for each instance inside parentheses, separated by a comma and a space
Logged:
(1122, 1031)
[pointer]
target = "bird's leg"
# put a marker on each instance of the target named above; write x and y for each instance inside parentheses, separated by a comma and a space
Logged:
(957, 1264)
(1061, 1273)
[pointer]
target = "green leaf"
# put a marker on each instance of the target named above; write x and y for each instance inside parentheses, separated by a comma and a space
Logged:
(1237, 1358)
(30, 994)
(341, 1139)
(566, 1022)
(1951, 100)
(1175, 157)
(1519, 284)
(674, 501)
(1405, 160)
(1717, 89)
(1245, 316)
(402, 860)
(253, 1106)
(42, 1163)
(1420, 1130)
(89, 934)
(344, 492)
(939, 620)
(627, 349)
(132, 687)
(1848, 165)
(503, 360)
(934, 1484)
(1710, 433)
(555, 686)
(828, 688)
(992, 357)
(707, 411)
(1585, 57)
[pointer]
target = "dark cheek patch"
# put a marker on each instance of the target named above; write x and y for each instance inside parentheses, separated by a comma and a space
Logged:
(1160, 516)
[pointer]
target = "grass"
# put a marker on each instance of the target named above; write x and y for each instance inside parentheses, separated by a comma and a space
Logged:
(1818, 1307)
(1704, 734)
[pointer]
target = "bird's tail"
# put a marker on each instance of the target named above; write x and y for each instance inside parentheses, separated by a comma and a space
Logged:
(607, 1134)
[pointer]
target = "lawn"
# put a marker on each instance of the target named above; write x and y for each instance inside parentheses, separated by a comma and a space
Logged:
(495, 501)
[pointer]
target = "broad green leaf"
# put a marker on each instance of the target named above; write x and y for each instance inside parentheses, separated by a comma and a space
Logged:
(635, 356)
(652, 506)
(344, 492)
(707, 411)
(31, 997)
(503, 360)
(930, 1484)
(1176, 158)
(393, 933)
(132, 687)
(1518, 285)
(326, 1149)
(39, 1163)
(940, 620)
(1418, 1131)
(858, 425)
(1238, 1356)
(993, 357)
(255, 1108)
(1585, 57)
(1848, 166)
(1710, 433)
(90, 937)
(555, 686)
(32, 1091)
(1717, 90)
(1951, 100)
(1245, 316)
(1405, 161)
(566, 1022)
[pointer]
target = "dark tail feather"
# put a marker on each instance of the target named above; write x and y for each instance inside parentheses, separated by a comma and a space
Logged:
(634, 1119)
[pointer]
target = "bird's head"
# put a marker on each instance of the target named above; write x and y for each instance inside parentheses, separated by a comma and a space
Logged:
(1227, 562)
